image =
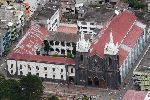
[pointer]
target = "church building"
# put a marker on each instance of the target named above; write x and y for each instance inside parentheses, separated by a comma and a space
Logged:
(103, 61)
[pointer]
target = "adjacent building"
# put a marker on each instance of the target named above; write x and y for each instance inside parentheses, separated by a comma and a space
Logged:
(11, 23)
(91, 20)
(48, 15)
(141, 74)
(23, 59)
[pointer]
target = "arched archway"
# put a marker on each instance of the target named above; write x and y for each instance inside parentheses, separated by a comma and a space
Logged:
(96, 81)
(71, 79)
(89, 81)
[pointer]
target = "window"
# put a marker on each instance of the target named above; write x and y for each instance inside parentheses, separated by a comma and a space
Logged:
(71, 70)
(85, 31)
(45, 68)
(62, 51)
(81, 57)
(11, 71)
(51, 42)
(21, 73)
(61, 76)
(57, 50)
(45, 75)
(57, 43)
(37, 67)
(53, 76)
(53, 69)
(84, 27)
(68, 44)
(91, 23)
(37, 74)
(20, 66)
(62, 43)
(61, 70)
(92, 28)
(29, 68)
(110, 61)
(11, 65)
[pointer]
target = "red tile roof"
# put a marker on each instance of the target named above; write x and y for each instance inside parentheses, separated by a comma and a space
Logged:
(135, 32)
(32, 39)
(122, 56)
(66, 29)
(134, 95)
(39, 58)
(120, 25)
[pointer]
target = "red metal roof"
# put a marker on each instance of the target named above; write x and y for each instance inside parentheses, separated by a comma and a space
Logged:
(26, 48)
(122, 56)
(39, 58)
(134, 95)
(66, 29)
(120, 25)
(133, 36)
(32, 39)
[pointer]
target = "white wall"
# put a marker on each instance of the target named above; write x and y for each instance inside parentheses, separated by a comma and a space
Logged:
(87, 25)
(13, 68)
(52, 25)
(69, 71)
(41, 70)
(33, 5)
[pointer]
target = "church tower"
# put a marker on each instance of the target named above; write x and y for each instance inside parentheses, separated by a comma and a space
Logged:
(112, 73)
(82, 49)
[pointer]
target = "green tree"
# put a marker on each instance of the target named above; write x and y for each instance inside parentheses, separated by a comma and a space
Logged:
(10, 90)
(69, 55)
(53, 97)
(46, 46)
(32, 87)
(85, 98)
(135, 4)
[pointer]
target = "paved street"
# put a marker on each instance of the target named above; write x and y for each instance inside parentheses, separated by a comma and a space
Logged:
(73, 90)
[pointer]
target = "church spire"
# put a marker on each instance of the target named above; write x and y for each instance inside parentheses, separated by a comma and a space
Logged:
(111, 48)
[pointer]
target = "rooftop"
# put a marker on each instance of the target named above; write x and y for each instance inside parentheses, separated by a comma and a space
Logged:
(31, 40)
(123, 27)
(60, 36)
(46, 12)
(40, 59)
(98, 14)
(135, 95)
(66, 29)
(25, 50)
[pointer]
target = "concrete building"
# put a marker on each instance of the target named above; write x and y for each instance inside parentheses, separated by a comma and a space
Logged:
(91, 20)
(96, 2)
(6, 2)
(142, 73)
(48, 16)
(11, 23)
(68, 6)
(23, 59)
